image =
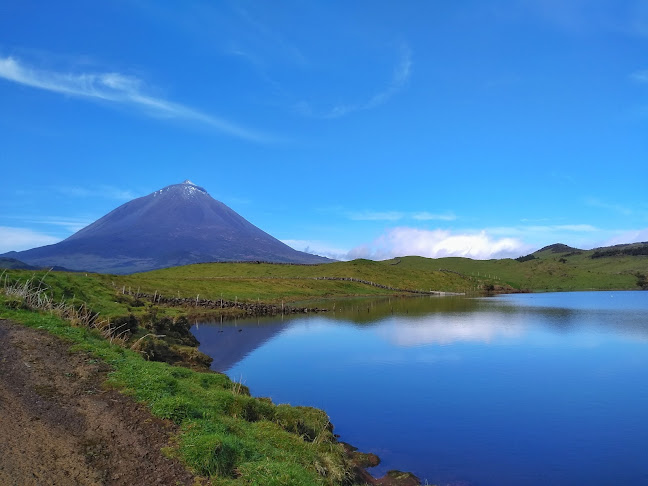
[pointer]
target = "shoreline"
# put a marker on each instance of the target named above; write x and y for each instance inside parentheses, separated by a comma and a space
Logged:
(358, 461)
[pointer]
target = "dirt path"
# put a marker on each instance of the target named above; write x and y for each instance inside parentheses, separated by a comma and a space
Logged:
(59, 427)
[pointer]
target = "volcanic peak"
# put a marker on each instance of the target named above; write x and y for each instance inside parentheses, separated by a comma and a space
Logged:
(186, 189)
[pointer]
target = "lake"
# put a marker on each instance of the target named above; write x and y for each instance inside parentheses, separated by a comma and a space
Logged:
(524, 389)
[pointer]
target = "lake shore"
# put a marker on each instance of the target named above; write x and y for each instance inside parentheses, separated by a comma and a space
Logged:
(56, 400)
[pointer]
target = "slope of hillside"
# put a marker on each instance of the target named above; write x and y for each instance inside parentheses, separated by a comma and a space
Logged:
(556, 267)
(177, 225)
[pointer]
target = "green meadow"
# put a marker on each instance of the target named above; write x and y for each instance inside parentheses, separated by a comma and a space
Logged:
(553, 269)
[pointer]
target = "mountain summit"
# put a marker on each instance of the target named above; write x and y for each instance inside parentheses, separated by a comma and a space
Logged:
(177, 225)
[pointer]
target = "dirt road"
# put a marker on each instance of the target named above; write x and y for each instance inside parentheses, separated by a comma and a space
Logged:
(59, 427)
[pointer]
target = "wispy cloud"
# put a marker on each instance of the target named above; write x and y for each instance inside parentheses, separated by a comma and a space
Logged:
(71, 225)
(401, 75)
(538, 235)
(577, 228)
(117, 88)
(18, 239)
(614, 207)
(582, 16)
(640, 76)
(270, 36)
(376, 215)
(425, 216)
(628, 236)
(399, 215)
(102, 191)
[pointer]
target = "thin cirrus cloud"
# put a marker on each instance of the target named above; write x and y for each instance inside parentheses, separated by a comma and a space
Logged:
(106, 192)
(628, 236)
(399, 215)
(71, 225)
(425, 216)
(618, 208)
(401, 75)
(18, 239)
(119, 89)
(640, 76)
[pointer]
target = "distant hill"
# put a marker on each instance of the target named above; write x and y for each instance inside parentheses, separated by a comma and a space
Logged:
(557, 267)
(13, 264)
(558, 248)
(177, 225)
(632, 249)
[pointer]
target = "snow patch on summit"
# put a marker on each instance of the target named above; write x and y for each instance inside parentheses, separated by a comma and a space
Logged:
(191, 189)
(185, 189)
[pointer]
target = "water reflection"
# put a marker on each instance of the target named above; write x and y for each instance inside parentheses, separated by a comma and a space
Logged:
(443, 329)
(229, 342)
(505, 391)
(419, 321)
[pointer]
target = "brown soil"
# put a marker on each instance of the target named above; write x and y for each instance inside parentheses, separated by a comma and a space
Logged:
(58, 426)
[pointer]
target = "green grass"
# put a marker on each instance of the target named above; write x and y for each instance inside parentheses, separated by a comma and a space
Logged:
(268, 283)
(549, 271)
(274, 283)
(226, 434)
(244, 282)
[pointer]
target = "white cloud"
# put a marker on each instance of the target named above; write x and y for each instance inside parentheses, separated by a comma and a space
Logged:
(115, 88)
(18, 239)
(404, 241)
(318, 248)
(435, 329)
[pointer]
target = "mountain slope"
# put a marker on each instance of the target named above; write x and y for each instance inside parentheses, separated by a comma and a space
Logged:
(177, 225)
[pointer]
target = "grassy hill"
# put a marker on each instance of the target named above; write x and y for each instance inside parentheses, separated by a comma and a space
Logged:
(559, 268)
(553, 268)
(118, 295)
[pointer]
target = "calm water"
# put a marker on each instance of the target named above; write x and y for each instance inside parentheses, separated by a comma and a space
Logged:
(531, 389)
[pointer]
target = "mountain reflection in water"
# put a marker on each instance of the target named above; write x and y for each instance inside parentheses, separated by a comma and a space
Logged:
(528, 389)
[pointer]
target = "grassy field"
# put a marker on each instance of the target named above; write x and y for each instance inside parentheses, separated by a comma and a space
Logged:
(551, 270)
(269, 283)
(273, 283)
(110, 295)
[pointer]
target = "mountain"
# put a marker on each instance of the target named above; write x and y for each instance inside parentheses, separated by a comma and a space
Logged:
(558, 248)
(177, 225)
(13, 264)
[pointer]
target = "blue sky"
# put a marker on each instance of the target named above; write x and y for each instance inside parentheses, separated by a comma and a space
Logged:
(352, 129)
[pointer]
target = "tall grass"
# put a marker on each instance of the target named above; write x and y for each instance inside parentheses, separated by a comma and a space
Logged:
(34, 294)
